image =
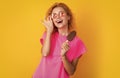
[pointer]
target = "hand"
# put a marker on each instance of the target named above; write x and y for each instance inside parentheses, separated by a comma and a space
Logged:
(48, 23)
(64, 48)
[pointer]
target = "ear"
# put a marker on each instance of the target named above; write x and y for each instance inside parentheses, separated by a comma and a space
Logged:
(68, 17)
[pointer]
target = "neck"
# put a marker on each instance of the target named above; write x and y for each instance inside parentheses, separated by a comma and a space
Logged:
(63, 31)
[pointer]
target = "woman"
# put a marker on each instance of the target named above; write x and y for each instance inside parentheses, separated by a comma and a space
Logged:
(60, 57)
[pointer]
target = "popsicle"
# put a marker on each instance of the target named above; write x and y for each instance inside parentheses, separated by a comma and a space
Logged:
(71, 36)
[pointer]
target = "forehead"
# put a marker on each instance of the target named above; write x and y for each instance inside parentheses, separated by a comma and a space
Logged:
(58, 9)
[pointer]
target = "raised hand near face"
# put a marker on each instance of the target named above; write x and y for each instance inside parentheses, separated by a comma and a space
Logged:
(48, 23)
(64, 48)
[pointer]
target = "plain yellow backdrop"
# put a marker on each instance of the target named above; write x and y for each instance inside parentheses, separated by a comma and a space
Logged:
(97, 23)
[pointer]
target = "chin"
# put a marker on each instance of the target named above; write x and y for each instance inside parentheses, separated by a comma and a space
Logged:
(59, 26)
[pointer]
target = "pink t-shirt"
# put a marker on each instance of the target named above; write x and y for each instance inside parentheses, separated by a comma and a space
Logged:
(51, 66)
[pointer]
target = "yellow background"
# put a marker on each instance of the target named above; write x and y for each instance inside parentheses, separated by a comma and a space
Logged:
(97, 23)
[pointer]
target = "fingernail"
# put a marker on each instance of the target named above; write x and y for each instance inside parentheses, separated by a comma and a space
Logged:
(67, 41)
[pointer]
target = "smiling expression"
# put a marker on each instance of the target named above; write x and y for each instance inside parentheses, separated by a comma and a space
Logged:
(60, 17)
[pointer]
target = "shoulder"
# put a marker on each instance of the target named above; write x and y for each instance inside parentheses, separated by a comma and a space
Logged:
(77, 40)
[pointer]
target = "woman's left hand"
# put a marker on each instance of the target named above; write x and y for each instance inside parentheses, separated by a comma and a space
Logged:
(64, 48)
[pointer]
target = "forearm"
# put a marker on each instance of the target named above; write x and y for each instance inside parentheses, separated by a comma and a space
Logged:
(46, 45)
(68, 66)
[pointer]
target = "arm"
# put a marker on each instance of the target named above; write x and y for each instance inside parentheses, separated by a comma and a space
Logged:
(46, 45)
(49, 29)
(70, 67)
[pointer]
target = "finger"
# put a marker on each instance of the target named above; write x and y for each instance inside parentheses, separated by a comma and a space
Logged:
(66, 41)
(49, 18)
(63, 44)
(66, 44)
(66, 48)
(44, 22)
(52, 16)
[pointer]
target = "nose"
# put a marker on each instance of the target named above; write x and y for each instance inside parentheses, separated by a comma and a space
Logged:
(58, 16)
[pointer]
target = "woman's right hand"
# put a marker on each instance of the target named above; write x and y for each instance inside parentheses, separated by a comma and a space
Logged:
(48, 23)
(64, 48)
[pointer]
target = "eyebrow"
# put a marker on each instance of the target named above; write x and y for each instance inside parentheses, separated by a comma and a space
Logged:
(59, 11)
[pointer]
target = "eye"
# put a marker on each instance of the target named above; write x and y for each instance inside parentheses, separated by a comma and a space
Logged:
(62, 13)
(54, 15)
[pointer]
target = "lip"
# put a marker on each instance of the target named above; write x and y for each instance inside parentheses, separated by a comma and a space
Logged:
(59, 21)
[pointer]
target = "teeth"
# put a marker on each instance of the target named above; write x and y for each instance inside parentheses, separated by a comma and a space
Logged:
(59, 21)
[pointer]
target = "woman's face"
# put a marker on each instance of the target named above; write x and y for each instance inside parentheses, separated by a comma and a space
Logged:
(60, 17)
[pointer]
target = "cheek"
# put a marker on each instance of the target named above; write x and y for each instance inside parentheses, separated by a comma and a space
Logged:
(66, 20)
(53, 20)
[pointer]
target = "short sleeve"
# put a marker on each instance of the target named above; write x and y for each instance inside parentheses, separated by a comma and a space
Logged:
(43, 38)
(80, 49)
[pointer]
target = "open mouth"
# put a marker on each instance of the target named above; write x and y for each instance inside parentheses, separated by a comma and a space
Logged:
(59, 21)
